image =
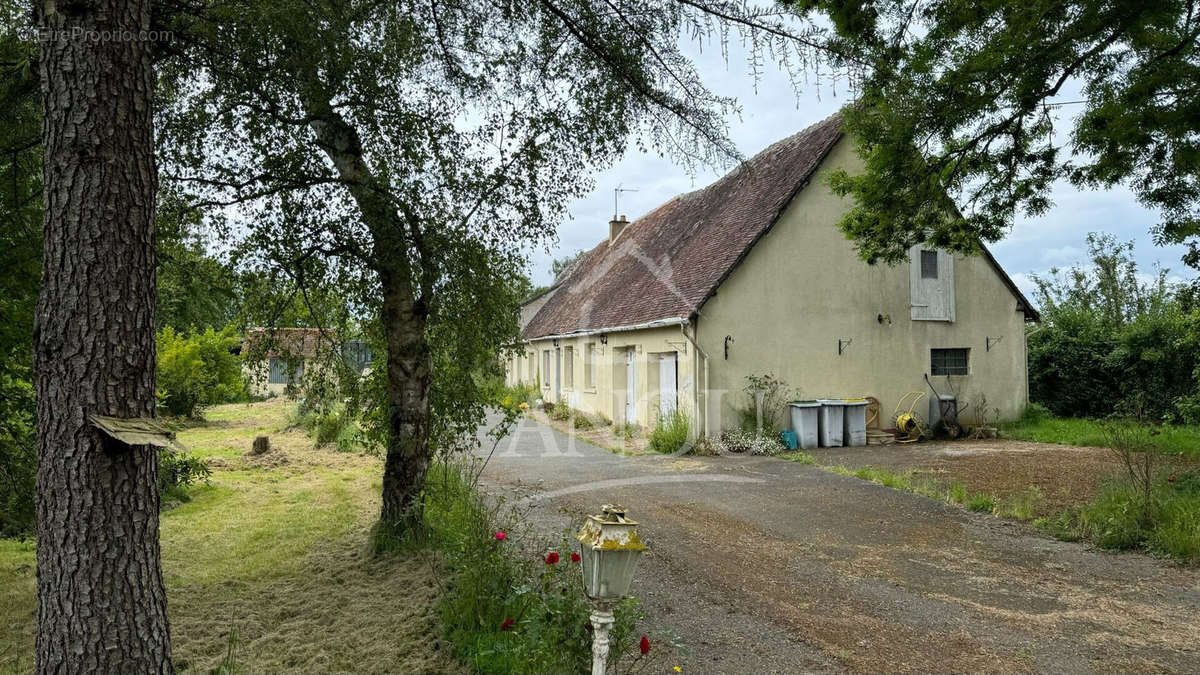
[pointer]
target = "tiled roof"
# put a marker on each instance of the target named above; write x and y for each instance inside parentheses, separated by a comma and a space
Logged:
(303, 342)
(667, 263)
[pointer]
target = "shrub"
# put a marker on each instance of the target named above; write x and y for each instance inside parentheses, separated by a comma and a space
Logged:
(561, 412)
(332, 426)
(748, 442)
(581, 421)
(774, 395)
(177, 471)
(670, 432)
(512, 397)
(198, 371)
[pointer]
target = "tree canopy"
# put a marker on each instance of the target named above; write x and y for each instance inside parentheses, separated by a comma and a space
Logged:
(409, 153)
(962, 95)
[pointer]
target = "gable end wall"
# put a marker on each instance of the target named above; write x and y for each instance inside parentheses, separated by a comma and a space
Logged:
(802, 288)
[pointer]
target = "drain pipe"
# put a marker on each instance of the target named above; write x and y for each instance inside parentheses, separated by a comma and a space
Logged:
(700, 353)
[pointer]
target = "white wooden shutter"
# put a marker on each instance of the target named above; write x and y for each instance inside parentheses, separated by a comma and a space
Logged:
(931, 299)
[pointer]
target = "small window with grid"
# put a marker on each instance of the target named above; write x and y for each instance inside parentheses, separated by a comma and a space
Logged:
(929, 265)
(948, 361)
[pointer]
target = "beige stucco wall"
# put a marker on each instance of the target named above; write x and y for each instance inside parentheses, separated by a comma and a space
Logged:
(608, 394)
(256, 373)
(802, 288)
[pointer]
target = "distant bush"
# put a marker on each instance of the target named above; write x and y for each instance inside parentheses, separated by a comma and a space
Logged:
(18, 455)
(670, 432)
(332, 425)
(1111, 342)
(517, 394)
(198, 371)
(177, 471)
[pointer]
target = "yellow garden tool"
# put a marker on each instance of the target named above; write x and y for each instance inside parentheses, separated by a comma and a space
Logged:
(909, 426)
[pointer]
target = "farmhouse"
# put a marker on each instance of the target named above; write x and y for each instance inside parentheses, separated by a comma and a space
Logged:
(751, 275)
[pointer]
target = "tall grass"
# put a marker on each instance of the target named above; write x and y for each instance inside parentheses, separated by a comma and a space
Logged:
(1041, 427)
(670, 432)
(1117, 519)
(504, 607)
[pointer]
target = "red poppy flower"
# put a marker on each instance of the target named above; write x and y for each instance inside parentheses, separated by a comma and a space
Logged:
(575, 557)
(501, 536)
(644, 645)
(508, 624)
(552, 559)
(1171, 478)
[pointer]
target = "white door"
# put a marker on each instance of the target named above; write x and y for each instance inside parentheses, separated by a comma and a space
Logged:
(557, 374)
(630, 387)
(667, 384)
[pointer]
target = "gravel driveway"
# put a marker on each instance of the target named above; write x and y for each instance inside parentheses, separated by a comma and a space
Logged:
(763, 565)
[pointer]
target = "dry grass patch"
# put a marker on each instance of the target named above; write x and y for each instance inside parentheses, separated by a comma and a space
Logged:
(276, 548)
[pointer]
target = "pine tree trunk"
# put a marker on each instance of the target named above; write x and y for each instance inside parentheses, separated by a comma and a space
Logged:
(409, 363)
(101, 600)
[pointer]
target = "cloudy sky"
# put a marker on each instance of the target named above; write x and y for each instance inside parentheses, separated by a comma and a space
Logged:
(775, 111)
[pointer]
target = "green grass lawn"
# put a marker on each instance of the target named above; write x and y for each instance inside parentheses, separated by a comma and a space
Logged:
(275, 549)
(1071, 431)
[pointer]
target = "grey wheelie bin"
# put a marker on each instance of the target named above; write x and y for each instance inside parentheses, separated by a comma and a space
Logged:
(804, 422)
(854, 422)
(829, 424)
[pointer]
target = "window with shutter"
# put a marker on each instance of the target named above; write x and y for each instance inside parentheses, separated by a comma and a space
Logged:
(931, 285)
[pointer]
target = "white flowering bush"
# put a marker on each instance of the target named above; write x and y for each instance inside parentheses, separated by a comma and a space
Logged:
(747, 442)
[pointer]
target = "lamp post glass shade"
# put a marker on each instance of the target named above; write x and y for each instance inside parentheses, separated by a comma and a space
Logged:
(609, 547)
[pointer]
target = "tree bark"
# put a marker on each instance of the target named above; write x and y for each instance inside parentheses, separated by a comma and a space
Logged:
(405, 314)
(101, 599)
(409, 375)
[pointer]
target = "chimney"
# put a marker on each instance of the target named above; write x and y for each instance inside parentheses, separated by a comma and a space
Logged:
(615, 227)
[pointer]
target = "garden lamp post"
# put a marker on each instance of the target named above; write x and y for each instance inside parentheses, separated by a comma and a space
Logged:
(609, 547)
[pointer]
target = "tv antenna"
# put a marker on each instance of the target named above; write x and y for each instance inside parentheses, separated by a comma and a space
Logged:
(617, 193)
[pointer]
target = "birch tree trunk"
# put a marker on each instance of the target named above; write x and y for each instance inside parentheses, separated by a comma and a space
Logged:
(405, 313)
(101, 600)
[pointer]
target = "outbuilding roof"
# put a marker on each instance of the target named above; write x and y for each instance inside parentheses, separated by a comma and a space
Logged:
(665, 265)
